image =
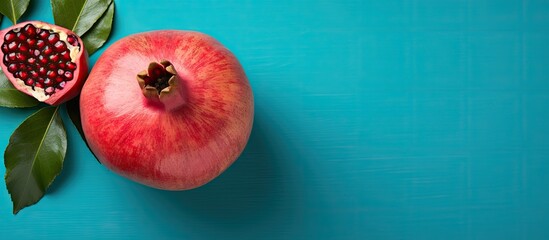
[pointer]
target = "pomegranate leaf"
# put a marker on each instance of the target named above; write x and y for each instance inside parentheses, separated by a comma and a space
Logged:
(11, 97)
(78, 15)
(73, 109)
(99, 33)
(34, 157)
(13, 9)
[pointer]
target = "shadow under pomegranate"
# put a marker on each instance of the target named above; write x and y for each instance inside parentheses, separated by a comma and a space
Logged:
(254, 190)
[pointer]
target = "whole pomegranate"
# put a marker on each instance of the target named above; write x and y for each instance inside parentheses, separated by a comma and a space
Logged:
(168, 109)
(43, 60)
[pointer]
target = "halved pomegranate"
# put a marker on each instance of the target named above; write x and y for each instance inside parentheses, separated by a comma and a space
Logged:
(43, 60)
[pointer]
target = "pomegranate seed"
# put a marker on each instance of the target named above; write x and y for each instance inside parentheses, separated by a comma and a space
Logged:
(40, 44)
(61, 85)
(12, 68)
(5, 48)
(22, 66)
(21, 36)
(12, 46)
(31, 41)
(29, 82)
(71, 39)
(68, 75)
(33, 74)
(31, 60)
(54, 58)
(36, 53)
(53, 38)
(60, 72)
(39, 85)
(44, 35)
(42, 71)
(66, 55)
(20, 57)
(62, 65)
(42, 59)
(47, 82)
(23, 75)
(52, 66)
(10, 36)
(51, 74)
(47, 50)
(11, 56)
(49, 90)
(60, 46)
(30, 30)
(23, 47)
(59, 79)
(71, 66)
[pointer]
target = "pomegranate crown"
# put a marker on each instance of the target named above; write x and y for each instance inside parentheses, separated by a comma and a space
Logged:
(159, 83)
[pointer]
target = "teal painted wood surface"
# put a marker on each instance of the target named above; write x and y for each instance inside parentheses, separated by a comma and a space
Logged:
(416, 119)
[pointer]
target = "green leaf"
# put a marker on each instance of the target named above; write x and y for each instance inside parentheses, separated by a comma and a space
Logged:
(78, 15)
(13, 9)
(34, 157)
(99, 33)
(13, 98)
(73, 109)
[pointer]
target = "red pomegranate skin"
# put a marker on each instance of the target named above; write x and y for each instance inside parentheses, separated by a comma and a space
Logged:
(72, 88)
(168, 149)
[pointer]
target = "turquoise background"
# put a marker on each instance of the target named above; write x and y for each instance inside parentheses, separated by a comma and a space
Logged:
(420, 119)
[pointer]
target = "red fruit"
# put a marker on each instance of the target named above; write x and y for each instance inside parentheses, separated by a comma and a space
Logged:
(168, 109)
(43, 46)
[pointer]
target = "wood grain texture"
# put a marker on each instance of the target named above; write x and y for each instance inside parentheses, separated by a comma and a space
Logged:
(410, 119)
